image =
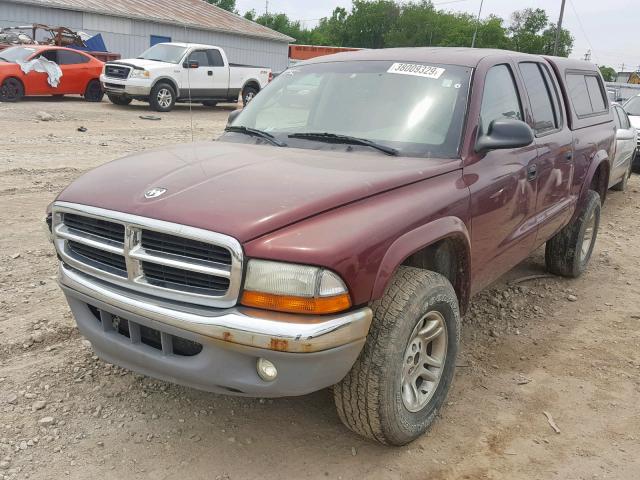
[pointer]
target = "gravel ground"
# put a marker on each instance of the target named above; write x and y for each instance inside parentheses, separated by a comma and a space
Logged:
(570, 348)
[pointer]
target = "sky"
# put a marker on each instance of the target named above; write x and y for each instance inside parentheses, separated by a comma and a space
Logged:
(609, 28)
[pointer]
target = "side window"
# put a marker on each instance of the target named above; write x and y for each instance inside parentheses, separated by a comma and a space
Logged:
(578, 93)
(587, 94)
(50, 55)
(201, 57)
(545, 115)
(215, 58)
(65, 57)
(598, 101)
(624, 118)
(500, 98)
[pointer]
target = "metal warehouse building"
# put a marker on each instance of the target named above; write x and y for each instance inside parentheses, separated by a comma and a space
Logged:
(131, 26)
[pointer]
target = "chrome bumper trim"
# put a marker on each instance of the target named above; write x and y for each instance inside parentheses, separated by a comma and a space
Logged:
(252, 327)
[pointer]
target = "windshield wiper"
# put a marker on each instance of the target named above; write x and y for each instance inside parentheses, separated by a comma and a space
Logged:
(335, 138)
(256, 133)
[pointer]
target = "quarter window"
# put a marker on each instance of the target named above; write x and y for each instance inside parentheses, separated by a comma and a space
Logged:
(500, 98)
(598, 101)
(545, 115)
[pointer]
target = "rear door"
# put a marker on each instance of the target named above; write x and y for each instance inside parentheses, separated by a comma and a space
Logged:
(625, 144)
(502, 184)
(554, 143)
(75, 71)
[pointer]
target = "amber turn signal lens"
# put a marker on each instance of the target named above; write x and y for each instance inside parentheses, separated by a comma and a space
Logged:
(290, 304)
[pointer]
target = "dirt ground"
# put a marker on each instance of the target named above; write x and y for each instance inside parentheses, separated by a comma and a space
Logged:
(570, 348)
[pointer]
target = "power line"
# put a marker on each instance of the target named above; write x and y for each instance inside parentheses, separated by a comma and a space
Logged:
(586, 37)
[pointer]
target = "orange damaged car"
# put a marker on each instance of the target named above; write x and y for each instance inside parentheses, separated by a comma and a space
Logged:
(27, 70)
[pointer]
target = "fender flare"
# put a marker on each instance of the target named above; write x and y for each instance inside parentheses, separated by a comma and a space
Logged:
(600, 157)
(166, 79)
(411, 242)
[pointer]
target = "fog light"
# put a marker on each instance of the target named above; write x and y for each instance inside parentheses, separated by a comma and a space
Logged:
(266, 370)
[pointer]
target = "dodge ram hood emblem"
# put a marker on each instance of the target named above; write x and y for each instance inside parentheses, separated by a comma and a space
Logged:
(154, 192)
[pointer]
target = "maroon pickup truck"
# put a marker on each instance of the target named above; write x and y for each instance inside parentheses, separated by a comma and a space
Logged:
(336, 231)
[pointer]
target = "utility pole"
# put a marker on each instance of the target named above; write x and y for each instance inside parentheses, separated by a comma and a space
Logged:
(559, 29)
(475, 32)
(587, 56)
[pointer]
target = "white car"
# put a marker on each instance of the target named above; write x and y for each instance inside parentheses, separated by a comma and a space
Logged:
(181, 72)
(625, 149)
(632, 107)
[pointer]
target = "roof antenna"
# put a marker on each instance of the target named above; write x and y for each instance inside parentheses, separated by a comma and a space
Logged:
(189, 85)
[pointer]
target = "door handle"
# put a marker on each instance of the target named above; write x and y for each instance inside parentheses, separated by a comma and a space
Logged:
(210, 73)
(532, 172)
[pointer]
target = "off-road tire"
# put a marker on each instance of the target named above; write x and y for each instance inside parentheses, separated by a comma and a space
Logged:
(154, 101)
(563, 252)
(248, 93)
(621, 186)
(119, 99)
(209, 103)
(11, 90)
(94, 92)
(369, 399)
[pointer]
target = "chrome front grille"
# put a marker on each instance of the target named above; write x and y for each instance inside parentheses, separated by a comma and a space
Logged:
(153, 257)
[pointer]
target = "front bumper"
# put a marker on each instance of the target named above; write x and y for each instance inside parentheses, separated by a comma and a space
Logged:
(310, 353)
(131, 87)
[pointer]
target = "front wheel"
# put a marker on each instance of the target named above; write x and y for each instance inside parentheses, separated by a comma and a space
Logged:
(569, 251)
(11, 90)
(93, 92)
(397, 386)
(162, 98)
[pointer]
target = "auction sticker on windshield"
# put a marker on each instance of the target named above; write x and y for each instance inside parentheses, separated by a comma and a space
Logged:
(416, 69)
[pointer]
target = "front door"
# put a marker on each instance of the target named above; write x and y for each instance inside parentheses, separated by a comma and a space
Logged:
(555, 149)
(503, 186)
(209, 80)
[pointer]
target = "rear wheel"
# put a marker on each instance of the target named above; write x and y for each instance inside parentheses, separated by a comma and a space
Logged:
(94, 92)
(248, 93)
(400, 381)
(119, 99)
(569, 251)
(162, 98)
(11, 90)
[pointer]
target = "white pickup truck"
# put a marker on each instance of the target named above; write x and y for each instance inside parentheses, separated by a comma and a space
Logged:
(181, 72)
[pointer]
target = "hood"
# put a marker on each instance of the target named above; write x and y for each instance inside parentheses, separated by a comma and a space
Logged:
(244, 190)
(141, 63)
(635, 121)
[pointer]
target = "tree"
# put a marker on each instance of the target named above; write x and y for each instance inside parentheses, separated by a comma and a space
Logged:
(229, 5)
(531, 32)
(609, 74)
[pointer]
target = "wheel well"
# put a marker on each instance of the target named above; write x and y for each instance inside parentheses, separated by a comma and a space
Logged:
(251, 83)
(449, 258)
(600, 181)
(14, 78)
(170, 82)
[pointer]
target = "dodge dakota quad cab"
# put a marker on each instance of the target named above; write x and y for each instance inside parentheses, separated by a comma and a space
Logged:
(334, 234)
(181, 72)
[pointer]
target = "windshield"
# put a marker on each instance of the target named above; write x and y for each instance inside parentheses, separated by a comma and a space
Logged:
(164, 53)
(17, 54)
(416, 109)
(632, 107)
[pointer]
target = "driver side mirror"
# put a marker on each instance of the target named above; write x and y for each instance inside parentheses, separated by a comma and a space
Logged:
(191, 64)
(624, 134)
(503, 134)
(232, 116)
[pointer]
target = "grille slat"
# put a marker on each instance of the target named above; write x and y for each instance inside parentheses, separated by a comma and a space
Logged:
(117, 71)
(102, 257)
(186, 247)
(95, 226)
(170, 277)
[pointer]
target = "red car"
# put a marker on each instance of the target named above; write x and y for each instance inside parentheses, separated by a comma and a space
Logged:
(80, 73)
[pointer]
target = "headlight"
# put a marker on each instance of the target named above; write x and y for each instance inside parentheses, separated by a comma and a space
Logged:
(135, 73)
(288, 287)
